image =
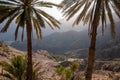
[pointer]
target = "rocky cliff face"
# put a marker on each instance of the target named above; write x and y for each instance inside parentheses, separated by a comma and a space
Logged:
(7, 52)
(46, 62)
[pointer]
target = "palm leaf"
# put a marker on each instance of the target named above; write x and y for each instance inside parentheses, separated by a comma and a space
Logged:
(20, 20)
(37, 28)
(46, 4)
(50, 18)
(4, 17)
(116, 4)
(75, 9)
(40, 19)
(16, 31)
(117, 11)
(6, 3)
(4, 29)
(81, 15)
(110, 19)
(7, 67)
(72, 7)
(22, 36)
(7, 76)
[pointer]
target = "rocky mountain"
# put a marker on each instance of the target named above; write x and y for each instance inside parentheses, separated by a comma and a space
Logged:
(75, 43)
(57, 42)
(110, 69)
(7, 52)
(46, 61)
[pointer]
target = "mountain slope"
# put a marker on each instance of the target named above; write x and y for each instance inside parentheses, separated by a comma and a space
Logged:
(75, 43)
(7, 52)
(58, 42)
(46, 62)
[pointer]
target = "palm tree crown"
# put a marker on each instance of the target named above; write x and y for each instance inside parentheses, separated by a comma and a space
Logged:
(93, 12)
(21, 10)
(16, 69)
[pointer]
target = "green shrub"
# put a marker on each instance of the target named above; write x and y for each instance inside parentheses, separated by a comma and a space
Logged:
(74, 66)
(60, 70)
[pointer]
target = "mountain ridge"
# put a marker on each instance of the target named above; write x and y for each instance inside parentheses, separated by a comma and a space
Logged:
(62, 43)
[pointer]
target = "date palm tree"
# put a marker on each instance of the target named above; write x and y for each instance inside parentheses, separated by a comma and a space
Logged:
(16, 69)
(27, 14)
(92, 12)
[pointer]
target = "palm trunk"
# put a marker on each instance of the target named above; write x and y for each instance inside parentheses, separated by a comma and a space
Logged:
(92, 47)
(29, 51)
(91, 56)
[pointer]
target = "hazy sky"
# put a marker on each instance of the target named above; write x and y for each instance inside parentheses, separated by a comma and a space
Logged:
(65, 26)
(54, 11)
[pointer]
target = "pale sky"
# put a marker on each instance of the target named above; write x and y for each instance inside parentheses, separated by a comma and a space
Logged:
(66, 25)
(54, 11)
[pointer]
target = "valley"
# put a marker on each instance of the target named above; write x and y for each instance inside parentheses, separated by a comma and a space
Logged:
(76, 44)
(106, 70)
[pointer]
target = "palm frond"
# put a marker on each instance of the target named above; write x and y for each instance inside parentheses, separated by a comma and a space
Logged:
(116, 4)
(15, 1)
(103, 16)
(37, 28)
(96, 18)
(85, 10)
(40, 19)
(15, 69)
(81, 15)
(6, 3)
(4, 17)
(46, 4)
(4, 29)
(110, 18)
(22, 36)
(87, 18)
(115, 9)
(65, 4)
(7, 67)
(20, 20)
(16, 31)
(50, 18)
(7, 75)
(74, 9)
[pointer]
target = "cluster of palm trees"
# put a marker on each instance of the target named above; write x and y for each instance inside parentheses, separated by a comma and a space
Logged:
(28, 15)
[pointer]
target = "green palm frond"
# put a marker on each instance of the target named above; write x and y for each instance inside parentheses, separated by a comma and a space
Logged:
(116, 3)
(53, 21)
(6, 66)
(16, 68)
(36, 70)
(4, 29)
(19, 11)
(46, 4)
(74, 9)
(7, 15)
(85, 10)
(40, 19)
(7, 76)
(22, 35)
(37, 28)
(5, 3)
